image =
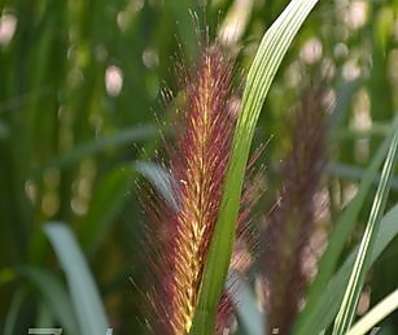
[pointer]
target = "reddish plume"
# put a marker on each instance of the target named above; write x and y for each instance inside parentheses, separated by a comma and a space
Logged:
(198, 163)
(292, 223)
(181, 227)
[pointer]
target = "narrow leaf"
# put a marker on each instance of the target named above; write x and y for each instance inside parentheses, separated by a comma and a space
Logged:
(160, 179)
(348, 307)
(375, 315)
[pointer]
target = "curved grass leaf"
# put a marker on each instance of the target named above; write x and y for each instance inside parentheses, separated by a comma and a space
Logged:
(344, 225)
(375, 315)
(86, 300)
(348, 307)
(160, 179)
(273, 47)
(55, 297)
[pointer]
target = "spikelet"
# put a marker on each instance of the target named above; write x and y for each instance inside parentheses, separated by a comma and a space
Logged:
(292, 223)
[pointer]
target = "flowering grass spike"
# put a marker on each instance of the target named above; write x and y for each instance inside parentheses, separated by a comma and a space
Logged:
(198, 163)
(292, 224)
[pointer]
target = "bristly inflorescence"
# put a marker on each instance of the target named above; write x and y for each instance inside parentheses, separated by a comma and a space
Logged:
(198, 166)
(198, 163)
(292, 224)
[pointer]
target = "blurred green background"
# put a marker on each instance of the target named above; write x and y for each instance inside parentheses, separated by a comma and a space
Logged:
(80, 104)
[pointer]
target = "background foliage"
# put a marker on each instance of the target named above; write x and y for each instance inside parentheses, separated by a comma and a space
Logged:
(80, 87)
